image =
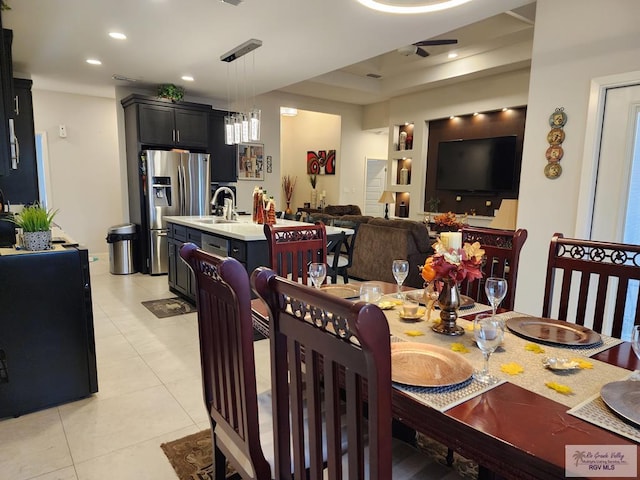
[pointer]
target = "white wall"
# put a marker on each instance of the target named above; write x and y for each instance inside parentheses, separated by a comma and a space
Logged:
(309, 131)
(574, 42)
(84, 167)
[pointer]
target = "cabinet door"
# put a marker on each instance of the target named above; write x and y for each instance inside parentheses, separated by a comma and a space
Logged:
(156, 125)
(191, 128)
(6, 108)
(223, 157)
(21, 185)
(172, 250)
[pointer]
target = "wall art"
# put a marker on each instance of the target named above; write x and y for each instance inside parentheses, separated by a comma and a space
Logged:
(321, 163)
(250, 161)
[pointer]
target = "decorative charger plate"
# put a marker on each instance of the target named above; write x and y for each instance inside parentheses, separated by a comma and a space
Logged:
(425, 365)
(342, 291)
(465, 302)
(553, 331)
(623, 398)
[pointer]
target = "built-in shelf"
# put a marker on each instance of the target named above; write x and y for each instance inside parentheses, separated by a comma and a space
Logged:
(403, 137)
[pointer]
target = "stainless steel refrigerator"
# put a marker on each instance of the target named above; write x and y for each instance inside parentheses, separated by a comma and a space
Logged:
(173, 183)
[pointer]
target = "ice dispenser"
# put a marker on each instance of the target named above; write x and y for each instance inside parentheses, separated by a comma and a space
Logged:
(161, 191)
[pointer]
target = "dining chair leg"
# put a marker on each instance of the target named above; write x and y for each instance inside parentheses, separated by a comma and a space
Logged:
(449, 457)
(219, 464)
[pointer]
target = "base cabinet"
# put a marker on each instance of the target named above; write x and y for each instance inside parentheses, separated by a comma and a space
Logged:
(47, 346)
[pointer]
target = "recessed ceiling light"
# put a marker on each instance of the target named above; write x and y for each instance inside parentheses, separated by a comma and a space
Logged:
(411, 6)
(452, 117)
(452, 55)
(93, 61)
(505, 109)
(288, 111)
(475, 114)
(118, 35)
(187, 78)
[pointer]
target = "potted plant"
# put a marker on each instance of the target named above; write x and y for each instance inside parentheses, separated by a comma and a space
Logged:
(171, 92)
(35, 222)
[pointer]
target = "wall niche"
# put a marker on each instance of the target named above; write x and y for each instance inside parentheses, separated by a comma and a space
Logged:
(484, 125)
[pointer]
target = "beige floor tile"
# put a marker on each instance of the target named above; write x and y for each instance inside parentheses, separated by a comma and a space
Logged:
(113, 348)
(188, 392)
(95, 427)
(175, 364)
(143, 461)
(170, 337)
(126, 375)
(68, 473)
(103, 327)
(32, 445)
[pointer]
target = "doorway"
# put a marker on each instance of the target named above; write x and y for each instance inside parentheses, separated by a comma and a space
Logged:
(376, 178)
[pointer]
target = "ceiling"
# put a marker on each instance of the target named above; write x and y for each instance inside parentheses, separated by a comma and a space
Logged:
(320, 48)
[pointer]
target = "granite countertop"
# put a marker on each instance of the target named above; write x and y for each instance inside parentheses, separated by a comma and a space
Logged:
(60, 241)
(244, 229)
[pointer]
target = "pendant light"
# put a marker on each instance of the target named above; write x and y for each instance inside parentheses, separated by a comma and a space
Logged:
(229, 135)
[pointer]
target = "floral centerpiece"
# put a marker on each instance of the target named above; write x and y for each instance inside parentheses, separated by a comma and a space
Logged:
(444, 271)
(447, 222)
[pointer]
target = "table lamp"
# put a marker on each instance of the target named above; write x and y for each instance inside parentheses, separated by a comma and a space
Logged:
(506, 215)
(386, 198)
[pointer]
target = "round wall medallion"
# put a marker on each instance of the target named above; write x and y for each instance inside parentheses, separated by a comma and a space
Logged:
(558, 118)
(555, 136)
(552, 170)
(554, 153)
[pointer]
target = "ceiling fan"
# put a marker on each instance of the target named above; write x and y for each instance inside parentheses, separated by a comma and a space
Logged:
(416, 48)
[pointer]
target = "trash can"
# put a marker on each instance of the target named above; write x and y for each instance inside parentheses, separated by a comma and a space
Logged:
(120, 239)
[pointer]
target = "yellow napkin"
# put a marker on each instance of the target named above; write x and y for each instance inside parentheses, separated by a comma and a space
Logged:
(582, 363)
(413, 333)
(459, 347)
(512, 368)
(534, 347)
(563, 389)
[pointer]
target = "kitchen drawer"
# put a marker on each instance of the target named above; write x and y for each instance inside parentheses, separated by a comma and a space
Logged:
(178, 232)
(238, 250)
(194, 236)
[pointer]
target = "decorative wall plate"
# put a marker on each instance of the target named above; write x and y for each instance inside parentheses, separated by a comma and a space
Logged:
(552, 170)
(554, 153)
(555, 136)
(558, 119)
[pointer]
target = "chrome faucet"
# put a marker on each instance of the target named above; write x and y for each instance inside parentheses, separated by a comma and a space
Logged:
(229, 213)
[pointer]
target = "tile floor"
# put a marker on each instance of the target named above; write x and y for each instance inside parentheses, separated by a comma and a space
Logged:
(150, 393)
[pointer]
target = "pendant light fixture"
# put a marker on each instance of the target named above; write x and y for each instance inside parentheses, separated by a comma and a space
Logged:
(242, 127)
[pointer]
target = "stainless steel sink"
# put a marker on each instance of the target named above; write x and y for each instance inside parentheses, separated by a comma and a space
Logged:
(216, 220)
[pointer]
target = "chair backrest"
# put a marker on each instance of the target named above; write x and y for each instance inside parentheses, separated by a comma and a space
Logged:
(334, 249)
(502, 256)
(328, 356)
(595, 279)
(223, 298)
(291, 249)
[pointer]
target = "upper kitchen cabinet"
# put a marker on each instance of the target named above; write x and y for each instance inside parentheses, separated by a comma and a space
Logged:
(160, 123)
(21, 185)
(6, 100)
(223, 157)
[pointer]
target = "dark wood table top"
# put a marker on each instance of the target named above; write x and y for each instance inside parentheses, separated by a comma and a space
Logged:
(511, 431)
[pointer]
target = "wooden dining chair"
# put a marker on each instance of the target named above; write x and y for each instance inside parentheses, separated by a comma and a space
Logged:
(293, 248)
(223, 299)
(340, 262)
(596, 281)
(329, 356)
(502, 256)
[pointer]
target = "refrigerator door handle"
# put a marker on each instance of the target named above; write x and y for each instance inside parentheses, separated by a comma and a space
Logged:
(181, 189)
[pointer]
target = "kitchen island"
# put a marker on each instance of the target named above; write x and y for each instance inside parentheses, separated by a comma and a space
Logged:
(243, 240)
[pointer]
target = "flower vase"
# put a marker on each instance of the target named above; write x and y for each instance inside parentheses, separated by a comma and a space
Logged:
(449, 302)
(314, 198)
(288, 210)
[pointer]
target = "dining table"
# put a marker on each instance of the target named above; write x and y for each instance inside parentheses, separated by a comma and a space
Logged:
(532, 418)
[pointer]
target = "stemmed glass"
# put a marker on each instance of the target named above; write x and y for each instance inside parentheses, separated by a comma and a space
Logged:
(635, 340)
(317, 273)
(496, 290)
(488, 333)
(400, 270)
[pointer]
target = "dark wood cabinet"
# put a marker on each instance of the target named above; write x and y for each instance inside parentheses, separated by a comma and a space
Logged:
(223, 157)
(21, 185)
(181, 278)
(6, 98)
(161, 123)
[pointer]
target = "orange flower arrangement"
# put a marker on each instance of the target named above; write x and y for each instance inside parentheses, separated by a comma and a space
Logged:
(453, 264)
(447, 221)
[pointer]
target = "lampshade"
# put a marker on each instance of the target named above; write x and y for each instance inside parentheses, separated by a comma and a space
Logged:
(387, 197)
(506, 215)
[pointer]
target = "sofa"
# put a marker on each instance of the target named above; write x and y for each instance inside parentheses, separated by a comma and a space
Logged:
(379, 242)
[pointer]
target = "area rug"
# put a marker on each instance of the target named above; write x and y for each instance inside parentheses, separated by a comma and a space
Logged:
(191, 457)
(169, 307)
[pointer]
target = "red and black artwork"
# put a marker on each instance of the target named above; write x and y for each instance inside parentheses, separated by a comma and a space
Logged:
(321, 163)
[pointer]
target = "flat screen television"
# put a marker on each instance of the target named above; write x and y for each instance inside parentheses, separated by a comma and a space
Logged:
(482, 165)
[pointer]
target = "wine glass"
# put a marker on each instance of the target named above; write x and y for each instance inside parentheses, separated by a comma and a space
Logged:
(488, 333)
(496, 290)
(400, 270)
(370, 292)
(317, 272)
(635, 340)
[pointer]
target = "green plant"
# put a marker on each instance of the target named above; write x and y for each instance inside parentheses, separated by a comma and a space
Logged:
(171, 91)
(35, 218)
(313, 178)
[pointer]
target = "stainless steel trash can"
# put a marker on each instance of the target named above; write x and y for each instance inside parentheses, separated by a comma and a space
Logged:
(120, 239)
